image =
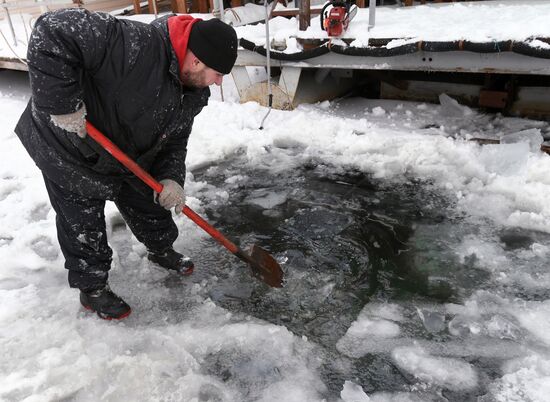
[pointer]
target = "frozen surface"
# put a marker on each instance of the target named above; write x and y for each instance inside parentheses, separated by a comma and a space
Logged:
(416, 263)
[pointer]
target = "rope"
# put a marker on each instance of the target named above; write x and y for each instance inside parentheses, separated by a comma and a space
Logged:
(13, 51)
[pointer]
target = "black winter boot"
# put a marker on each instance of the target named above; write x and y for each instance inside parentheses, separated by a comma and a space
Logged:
(172, 260)
(105, 303)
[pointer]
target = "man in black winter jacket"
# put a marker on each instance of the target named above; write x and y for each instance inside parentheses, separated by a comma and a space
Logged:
(141, 85)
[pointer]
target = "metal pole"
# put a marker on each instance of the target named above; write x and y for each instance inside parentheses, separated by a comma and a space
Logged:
(10, 23)
(221, 10)
(372, 13)
(155, 10)
(268, 55)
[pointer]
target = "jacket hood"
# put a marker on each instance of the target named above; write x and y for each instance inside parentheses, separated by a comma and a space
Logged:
(179, 29)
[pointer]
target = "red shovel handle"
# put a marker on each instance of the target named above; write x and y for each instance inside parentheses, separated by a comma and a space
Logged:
(155, 185)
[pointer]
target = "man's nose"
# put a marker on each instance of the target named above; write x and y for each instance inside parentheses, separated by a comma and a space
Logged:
(219, 80)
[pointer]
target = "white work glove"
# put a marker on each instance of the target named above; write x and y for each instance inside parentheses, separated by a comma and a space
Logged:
(72, 122)
(171, 196)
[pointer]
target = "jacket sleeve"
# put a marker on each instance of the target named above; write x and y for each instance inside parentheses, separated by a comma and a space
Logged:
(63, 45)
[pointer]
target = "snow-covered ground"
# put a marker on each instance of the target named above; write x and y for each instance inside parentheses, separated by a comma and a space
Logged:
(180, 344)
(183, 343)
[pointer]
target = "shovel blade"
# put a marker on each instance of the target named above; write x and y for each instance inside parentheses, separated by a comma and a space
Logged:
(265, 267)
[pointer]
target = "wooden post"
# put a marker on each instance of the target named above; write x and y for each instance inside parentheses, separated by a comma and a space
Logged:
(137, 7)
(204, 6)
(305, 14)
(179, 6)
(152, 6)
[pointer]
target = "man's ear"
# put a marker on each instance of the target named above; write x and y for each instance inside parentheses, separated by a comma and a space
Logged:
(194, 61)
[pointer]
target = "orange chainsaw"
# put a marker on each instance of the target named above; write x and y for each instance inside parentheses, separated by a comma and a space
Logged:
(336, 16)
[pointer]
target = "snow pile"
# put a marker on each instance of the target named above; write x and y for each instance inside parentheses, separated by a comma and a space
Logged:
(67, 355)
(526, 379)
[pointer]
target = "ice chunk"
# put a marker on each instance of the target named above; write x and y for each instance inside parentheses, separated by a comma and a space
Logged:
(505, 159)
(266, 199)
(378, 111)
(387, 311)
(366, 335)
(535, 318)
(371, 332)
(453, 374)
(451, 108)
(464, 326)
(403, 397)
(433, 321)
(532, 136)
(500, 327)
(353, 393)
(374, 327)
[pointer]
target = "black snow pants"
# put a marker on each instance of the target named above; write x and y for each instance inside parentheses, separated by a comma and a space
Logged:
(82, 235)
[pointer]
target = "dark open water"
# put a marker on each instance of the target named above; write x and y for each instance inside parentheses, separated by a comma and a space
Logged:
(346, 240)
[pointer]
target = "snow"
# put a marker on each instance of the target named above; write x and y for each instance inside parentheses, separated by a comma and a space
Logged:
(48, 342)
(485, 21)
(52, 349)
(509, 20)
(179, 344)
(526, 379)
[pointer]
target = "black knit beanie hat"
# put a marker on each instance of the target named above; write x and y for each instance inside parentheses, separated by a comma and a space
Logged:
(215, 44)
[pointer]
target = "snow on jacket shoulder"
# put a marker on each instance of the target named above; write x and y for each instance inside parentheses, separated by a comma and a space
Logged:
(126, 73)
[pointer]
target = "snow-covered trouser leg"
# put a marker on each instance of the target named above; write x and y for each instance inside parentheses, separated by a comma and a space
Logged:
(150, 223)
(82, 237)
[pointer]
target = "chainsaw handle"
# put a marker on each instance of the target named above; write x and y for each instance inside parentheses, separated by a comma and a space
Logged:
(322, 15)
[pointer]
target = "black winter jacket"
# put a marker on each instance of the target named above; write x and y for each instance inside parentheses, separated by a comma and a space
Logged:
(127, 75)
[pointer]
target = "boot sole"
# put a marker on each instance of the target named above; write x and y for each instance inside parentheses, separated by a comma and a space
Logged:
(108, 317)
(187, 271)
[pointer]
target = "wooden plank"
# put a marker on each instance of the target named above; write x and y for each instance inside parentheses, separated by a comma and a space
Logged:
(292, 12)
(493, 99)
(495, 63)
(13, 65)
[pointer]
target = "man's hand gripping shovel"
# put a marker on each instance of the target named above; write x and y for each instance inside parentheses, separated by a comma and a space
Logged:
(263, 265)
